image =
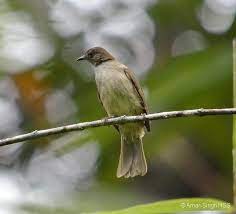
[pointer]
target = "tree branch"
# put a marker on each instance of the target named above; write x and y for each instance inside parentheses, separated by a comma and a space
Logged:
(116, 120)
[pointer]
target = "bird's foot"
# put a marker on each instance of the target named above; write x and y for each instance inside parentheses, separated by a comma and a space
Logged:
(107, 118)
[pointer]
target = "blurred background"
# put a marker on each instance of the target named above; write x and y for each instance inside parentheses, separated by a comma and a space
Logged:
(181, 52)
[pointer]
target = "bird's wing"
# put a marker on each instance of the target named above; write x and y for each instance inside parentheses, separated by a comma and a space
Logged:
(116, 126)
(140, 93)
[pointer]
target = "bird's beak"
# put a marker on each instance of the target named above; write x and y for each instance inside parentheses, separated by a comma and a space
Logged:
(81, 58)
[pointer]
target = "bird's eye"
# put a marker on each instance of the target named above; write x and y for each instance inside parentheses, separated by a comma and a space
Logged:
(90, 55)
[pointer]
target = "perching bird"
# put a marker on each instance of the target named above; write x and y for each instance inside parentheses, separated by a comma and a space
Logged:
(121, 94)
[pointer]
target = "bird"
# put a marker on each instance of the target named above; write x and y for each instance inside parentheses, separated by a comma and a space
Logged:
(121, 94)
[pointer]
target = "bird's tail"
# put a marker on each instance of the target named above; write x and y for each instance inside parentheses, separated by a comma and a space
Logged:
(132, 159)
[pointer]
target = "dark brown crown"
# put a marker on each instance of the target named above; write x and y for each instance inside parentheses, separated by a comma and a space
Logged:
(98, 55)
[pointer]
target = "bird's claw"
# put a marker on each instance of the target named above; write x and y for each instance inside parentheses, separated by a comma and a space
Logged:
(143, 115)
(107, 118)
(123, 116)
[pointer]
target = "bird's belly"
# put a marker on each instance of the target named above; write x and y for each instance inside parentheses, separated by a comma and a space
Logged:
(118, 96)
(118, 104)
(119, 101)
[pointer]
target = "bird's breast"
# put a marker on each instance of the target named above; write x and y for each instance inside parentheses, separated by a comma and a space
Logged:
(116, 90)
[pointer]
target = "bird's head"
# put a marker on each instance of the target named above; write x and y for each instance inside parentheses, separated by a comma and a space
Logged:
(96, 56)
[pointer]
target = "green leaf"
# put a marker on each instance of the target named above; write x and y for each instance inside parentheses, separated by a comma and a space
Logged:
(176, 205)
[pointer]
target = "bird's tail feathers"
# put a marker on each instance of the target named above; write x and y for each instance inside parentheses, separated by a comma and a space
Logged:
(132, 158)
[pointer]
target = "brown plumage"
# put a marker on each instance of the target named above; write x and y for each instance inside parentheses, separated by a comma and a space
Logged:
(121, 94)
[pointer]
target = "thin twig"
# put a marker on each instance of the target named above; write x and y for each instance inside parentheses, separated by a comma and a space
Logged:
(116, 120)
